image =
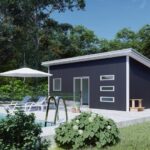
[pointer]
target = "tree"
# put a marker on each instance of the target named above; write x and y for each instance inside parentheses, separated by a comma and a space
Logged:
(84, 39)
(26, 19)
(125, 38)
(144, 40)
(64, 40)
(126, 35)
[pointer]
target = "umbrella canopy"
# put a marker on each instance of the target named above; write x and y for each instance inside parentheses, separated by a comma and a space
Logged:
(25, 72)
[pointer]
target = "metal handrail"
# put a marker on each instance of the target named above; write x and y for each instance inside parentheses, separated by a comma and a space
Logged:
(53, 98)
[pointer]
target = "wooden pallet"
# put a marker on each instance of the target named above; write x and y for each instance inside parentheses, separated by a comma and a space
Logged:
(136, 109)
(139, 107)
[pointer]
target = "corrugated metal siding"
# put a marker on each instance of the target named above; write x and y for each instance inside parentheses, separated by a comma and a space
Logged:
(94, 69)
(140, 82)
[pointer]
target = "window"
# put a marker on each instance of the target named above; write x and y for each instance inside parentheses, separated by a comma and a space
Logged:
(57, 84)
(107, 77)
(107, 99)
(107, 88)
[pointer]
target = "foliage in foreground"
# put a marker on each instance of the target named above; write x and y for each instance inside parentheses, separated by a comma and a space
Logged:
(87, 130)
(20, 132)
(135, 137)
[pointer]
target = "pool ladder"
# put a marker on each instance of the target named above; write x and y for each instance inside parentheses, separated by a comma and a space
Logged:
(55, 100)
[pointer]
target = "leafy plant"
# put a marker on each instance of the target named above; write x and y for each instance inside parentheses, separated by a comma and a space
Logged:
(17, 89)
(87, 130)
(21, 132)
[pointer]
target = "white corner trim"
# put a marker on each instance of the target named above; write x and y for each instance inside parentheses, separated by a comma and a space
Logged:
(48, 82)
(127, 83)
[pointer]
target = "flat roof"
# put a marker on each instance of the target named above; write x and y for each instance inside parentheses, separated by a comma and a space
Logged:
(111, 54)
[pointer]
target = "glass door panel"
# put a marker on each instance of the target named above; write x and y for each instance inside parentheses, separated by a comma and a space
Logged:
(77, 90)
(85, 91)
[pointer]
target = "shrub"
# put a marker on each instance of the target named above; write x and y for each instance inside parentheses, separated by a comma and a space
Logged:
(20, 132)
(16, 89)
(87, 130)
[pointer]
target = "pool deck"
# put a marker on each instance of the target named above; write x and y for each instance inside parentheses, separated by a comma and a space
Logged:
(121, 118)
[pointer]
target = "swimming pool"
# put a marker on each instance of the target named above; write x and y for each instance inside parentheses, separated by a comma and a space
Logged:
(2, 116)
(41, 122)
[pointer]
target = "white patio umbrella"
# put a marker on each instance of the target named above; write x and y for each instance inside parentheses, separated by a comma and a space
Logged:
(25, 72)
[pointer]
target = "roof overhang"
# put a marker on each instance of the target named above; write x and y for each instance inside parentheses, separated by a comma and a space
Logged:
(117, 53)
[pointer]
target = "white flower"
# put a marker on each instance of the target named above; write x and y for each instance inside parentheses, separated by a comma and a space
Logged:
(77, 121)
(75, 127)
(80, 132)
(91, 119)
(108, 127)
(93, 115)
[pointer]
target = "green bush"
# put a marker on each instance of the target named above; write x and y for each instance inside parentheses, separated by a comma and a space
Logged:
(41, 89)
(87, 130)
(17, 89)
(20, 132)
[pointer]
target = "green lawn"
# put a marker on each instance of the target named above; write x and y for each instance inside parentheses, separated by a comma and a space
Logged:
(136, 137)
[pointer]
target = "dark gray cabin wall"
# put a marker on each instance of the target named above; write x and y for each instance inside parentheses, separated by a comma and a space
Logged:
(94, 69)
(140, 82)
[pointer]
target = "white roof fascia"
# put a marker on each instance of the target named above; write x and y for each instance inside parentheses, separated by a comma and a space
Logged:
(140, 58)
(118, 53)
(104, 55)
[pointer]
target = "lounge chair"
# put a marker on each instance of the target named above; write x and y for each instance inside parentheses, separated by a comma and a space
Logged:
(19, 104)
(40, 104)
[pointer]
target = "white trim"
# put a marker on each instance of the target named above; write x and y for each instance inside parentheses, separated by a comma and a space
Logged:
(112, 90)
(117, 53)
(82, 77)
(54, 84)
(101, 99)
(127, 83)
(101, 77)
(88, 57)
(49, 83)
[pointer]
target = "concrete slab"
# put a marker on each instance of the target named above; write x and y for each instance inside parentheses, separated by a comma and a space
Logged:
(121, 118)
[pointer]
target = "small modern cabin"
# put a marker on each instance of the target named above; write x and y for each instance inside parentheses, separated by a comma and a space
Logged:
(105, 80)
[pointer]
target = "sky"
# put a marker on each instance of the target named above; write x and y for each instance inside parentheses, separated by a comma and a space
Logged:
(107, 17)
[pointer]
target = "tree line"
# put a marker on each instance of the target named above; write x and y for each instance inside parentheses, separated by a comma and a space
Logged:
(28, 32)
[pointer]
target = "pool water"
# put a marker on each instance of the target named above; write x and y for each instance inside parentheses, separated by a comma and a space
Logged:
(41, 122)
(2, 116)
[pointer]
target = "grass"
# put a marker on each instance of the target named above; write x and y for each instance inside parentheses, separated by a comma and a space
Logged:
(135, 137)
